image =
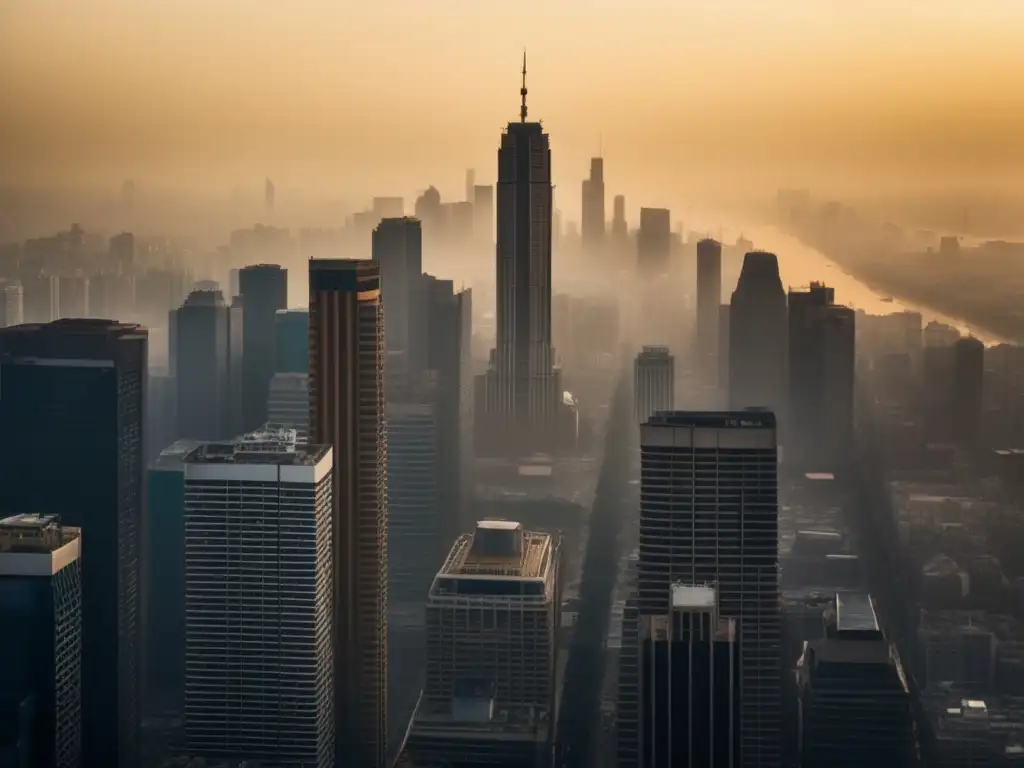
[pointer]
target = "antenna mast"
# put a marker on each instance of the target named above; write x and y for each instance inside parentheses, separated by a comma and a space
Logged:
(522, 93)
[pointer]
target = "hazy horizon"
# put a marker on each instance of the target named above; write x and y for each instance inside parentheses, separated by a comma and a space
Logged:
(732, 97)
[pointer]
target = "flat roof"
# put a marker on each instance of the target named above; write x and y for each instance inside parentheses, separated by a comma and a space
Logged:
(855, 612)
(269, 446)
(686, 596)
(530, 563)
(747, 418)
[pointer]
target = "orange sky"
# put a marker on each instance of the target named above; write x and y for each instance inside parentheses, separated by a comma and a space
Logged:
(389, 95)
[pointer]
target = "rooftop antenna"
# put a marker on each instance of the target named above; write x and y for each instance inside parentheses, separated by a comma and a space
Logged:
(522, 92)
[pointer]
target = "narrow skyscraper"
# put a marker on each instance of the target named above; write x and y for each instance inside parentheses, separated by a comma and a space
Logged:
(346, 380)
(709, 297)
(654, 382)
(264, 290)
(41, 607)
(593, 208)
(398, 248)
(520, 394)
(259, 656)
(79, 386)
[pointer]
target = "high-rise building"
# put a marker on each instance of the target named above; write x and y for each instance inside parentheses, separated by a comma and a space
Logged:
(12, 303)
(821, 378)
(483, 213)
(206, 390)
(709, 298)
(619, 228)
(122, 253)
(593, 207)
(41, 679)
(689, 683)
(259, 656)
(654, 382)
(967, 385)
(346, 381)
(292, 341)
(288, 402)
(80, 385)
(709, 515)
(398, 248)
(518, 397)
(165, 579)
(493, 615)
(758, 330)
(855, 705)
(264, 290)
(654, 242)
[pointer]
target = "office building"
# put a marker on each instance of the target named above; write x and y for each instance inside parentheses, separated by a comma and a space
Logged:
(206, 366)
(483, 213)
(689, 684)
(264, 290)
(79, 386)
(288, 402)
(398, 248)
(291, 341)
(41, 678)
(821, 379)
(654, 383)
(967, 385)
(493, 614)
(855, 705)
(165, 580)
(709, 298)
(346, 382)
(12, 303)
(758, 331)
(593, 208)
(518, 398)
(654, 242)
(259, 656)
(709, 515)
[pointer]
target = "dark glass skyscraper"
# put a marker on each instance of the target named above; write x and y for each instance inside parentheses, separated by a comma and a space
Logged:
(520, 394)
(78, 386)
(41, 677)
(398, 248)
(709, 297)
(264, 290)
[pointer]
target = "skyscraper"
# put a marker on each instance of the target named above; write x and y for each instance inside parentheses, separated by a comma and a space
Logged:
(758, 329)
(654, 382)
(709, 297)
(79, 386)
(292, 341)
(593, 207)
(968, 381)
(398, 248)
(493, 614)
(520, 393)
(264, 290)
(619, 229)
(709, 515)
(202, 366)
(654, 242)
(346, 378)
(821, 378)
(288, 402)
(41, 605)
(259, 656)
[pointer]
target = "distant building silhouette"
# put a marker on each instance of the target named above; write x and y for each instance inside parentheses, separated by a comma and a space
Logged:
(709, 297)
(758, 329)
(519, 396)
(593, 208)
(968, 385)
(346, 378)
(79, 385)
(619, 229)
(397, 245)
(122, 253)
(483, 213)
(654, 382)
(654, 242)
(264, 290)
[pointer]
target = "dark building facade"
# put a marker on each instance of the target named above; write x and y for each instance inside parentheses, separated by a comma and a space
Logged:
(518, 398)
(654, 242)
(593, 208)
(709, 297)
(346, 383)
(821, 378)
(292, 341)
(968, 388)
(264, 290)
(41, 677)
(79, 386)
(398, 248)
(654, 382)
(758, 331)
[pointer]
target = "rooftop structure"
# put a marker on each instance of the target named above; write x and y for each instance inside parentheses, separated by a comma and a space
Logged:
(36, 545)
(499, 549)
(269, 445)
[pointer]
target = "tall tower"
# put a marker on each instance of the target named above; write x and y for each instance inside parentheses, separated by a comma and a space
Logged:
(523, 393)
(709, 296)
(264, 290)
(654, 382)
(593, 206)
(79, 385)
(346, 381)
(397, 245)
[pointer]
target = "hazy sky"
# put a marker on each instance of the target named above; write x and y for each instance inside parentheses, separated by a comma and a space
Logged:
(389, 95)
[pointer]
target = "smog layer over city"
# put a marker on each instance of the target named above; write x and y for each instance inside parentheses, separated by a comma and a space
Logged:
(577, 384)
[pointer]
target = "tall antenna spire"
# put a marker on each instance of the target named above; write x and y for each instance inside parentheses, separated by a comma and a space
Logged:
(522, 92)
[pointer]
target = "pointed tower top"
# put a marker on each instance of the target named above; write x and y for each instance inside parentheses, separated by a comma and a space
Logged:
(522, 92)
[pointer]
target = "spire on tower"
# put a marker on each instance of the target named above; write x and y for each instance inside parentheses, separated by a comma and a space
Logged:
(522, 92)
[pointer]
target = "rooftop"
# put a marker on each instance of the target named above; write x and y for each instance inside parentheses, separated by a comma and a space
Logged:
(34, 533)
(269, 445)
(855, 612)
(743, 419)
(500, 548)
